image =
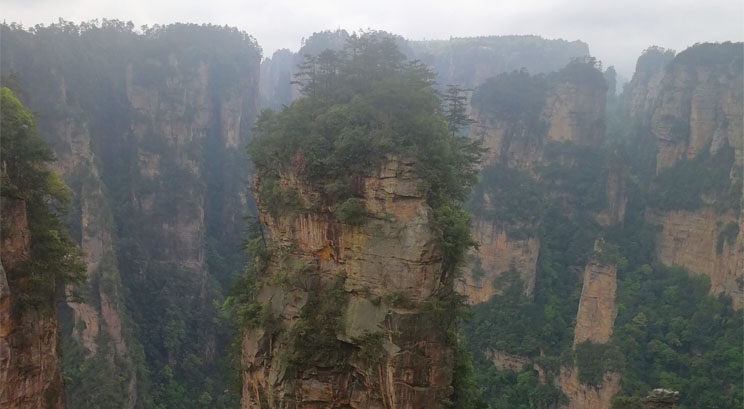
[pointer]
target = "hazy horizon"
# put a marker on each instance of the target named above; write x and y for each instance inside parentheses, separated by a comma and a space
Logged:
(616, 33)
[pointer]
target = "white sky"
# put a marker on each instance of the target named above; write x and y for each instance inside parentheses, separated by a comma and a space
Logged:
(616, 31)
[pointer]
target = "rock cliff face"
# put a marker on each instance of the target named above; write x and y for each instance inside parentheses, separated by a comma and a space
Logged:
(151, 145)
(582, 396)
(594, 321)
(503, 361)
(571, 113)
(382, 350)
(572, 110)
(696, 112)
(597, 309)
(101, 314)
(691, 239)
(29, 367)
(698, 108)
(498, 252)
(576, 113)
(643, 90)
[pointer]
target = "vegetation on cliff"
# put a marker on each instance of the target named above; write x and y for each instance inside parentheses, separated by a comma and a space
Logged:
(669, 332)
(27, 180)
(684, 185)
(363, 106)
(167, 94)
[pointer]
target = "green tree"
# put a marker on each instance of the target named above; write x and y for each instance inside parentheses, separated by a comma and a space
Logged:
(27, 180)
(455, 108)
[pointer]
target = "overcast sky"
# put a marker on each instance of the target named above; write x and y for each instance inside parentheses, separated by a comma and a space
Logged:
(616, 31)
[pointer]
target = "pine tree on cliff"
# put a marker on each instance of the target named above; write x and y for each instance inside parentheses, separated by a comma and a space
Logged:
(455, 108)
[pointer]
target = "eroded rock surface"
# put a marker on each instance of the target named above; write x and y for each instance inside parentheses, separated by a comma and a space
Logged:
(29, 367)
(696, 112)
(378, 276)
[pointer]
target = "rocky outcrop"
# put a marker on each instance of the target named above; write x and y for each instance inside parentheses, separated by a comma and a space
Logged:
(597, 309)
(276, 77)
(660, 399)
(382, 351)
(498, 252)
(503, 361)
(616, 195)
(565, 109)
(575, 112)
(29, 367)
(594, 322)
(583, 396)
(697, 113)
(642, 92)
(698, 241)
(699, 105)
(572, 110)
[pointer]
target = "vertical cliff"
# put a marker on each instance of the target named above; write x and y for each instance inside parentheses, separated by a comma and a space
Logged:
(595, 320)
(371, 282)
(642, 91)
(95, 326)
(37, 255)
(597, 310)
(532, 127)
(583, 396)
(149, 129)
(696, 197)
(349, 301)
(29, 368)
(550, 187)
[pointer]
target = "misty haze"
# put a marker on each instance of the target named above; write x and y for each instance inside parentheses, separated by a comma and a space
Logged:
(383, 205)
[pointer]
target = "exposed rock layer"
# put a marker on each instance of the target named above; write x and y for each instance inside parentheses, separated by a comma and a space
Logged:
(695, 108)
(597, 309)
(29, 367)
(498, 252)
(583, 396)
(151, 144)
(389, 266)
(573, 112)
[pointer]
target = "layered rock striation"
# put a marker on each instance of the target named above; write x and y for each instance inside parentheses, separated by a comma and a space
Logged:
(693, 111)
(347, 304)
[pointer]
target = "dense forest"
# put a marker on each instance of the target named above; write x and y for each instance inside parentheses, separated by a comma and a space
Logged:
(472, 223)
